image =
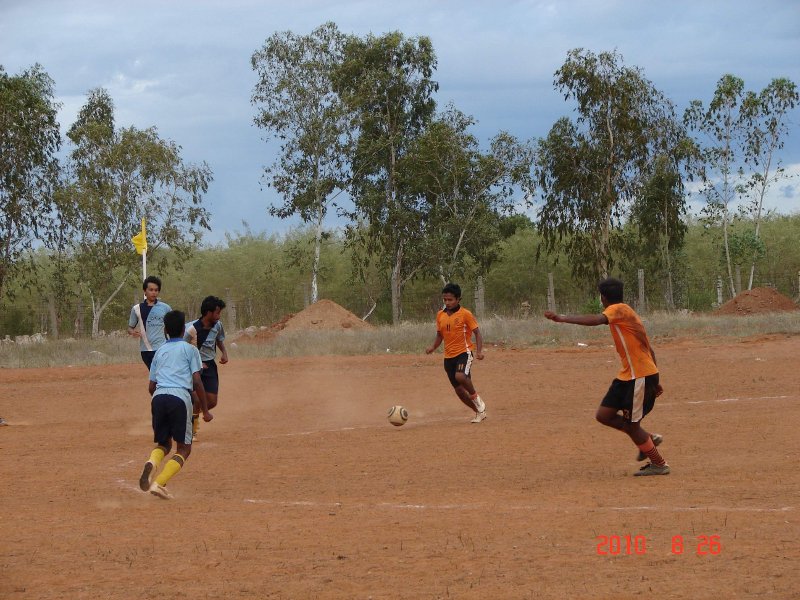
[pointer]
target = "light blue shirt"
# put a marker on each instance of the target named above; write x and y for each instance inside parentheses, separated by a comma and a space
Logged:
(172, 369)
(205, 339)
(154, 325)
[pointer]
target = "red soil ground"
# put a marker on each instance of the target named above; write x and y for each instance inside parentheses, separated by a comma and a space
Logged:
(300, 488)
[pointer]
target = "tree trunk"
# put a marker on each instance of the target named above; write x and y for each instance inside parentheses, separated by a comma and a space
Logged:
(480, 306)
(97, 312)
(54, 318)
(738, 281)
(728, 254)
(397, 286)
(78, 325)
(315, 265)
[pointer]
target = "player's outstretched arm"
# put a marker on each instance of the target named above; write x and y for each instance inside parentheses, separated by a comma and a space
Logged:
(589, 320)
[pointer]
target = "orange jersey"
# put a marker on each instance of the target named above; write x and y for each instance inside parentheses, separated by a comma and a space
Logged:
(631, 341)
(456, 331)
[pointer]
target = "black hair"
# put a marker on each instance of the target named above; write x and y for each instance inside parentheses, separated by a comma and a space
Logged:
(210, 304)
(611, 288)
(174, 323)
(452, 288)
(151, 279)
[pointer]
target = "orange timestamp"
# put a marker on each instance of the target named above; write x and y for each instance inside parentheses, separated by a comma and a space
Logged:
(620, 545)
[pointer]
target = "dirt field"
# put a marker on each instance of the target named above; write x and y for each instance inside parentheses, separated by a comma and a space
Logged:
(301, 489)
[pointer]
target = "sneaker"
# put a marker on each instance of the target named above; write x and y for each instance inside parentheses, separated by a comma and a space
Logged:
(3, 422)
(160, 491)
(147, 473)
(651, 469)
(480, 406)
(480, 416)
(657, 439)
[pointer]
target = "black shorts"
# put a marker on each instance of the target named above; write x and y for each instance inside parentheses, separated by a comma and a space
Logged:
(635, 398)
(210, 377)
(172, 420)
(461, 363)
(147, 357)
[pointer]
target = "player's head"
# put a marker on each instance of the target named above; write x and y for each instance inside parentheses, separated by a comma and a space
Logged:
(610, 291)
(152, 279)
(451, 295)
(152, 288)
(174, 323)
(452, 288)
(211, 304)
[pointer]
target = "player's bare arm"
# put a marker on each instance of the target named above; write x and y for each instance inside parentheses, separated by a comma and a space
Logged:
(478, 343)
(132, 331)
(224, 358)
(435, 344)
(201, 395)
(659, 387)
(151, 387)
(588, 320)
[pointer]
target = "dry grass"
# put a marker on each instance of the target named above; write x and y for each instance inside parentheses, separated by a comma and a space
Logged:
(407, 338)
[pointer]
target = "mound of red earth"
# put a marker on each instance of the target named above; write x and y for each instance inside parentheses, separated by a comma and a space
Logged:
(757, 301)
(322, 315)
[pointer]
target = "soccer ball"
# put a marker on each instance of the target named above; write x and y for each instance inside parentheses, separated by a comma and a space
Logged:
(397, 415)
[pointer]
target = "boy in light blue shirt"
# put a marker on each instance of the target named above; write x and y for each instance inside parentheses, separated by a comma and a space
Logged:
(174, 373)
(147, 320)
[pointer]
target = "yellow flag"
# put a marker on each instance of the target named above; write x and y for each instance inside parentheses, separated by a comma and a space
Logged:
(140, 240)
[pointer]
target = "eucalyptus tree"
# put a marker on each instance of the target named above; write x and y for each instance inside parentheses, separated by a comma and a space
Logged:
(722, 125)
(121, 176)
(297, 104)
(29, 141)
(468, 191)
(591, 170)
(767, 121)
(386, 83)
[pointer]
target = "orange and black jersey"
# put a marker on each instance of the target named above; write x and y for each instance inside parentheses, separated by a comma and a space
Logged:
(631, 342)
(456, 330)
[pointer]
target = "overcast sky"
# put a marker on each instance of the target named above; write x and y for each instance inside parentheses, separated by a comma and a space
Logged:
(183, 66)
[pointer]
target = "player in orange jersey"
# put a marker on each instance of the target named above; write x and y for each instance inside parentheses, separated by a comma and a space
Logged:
(633, 392)
(455, 326)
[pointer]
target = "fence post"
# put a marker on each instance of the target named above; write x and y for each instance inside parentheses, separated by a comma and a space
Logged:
(231, 306)
(640, 275)
(719, 290)
(479, 297)
(551, 293)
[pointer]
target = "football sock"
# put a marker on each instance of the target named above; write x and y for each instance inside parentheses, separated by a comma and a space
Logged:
(157, 455)
(170, 469)
(649, 448)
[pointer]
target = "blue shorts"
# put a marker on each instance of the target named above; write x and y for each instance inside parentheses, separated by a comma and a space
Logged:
(172, 420)
(210, 377)
(147, 357)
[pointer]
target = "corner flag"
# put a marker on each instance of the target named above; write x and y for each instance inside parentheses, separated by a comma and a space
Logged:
(140, 240)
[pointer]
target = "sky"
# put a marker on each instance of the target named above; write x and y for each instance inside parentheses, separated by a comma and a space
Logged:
(183, 66)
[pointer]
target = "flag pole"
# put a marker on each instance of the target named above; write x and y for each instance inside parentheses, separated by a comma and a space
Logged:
(144, 265)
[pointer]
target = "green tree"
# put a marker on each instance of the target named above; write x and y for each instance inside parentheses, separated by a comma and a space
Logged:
(386, 83)
(467, 190)
(120, 177)
(766, 117)
(592, 169)
(29, 141)
(720, 170)
(297, 104)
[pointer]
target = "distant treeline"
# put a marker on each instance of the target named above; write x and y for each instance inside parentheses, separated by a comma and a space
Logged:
(264, 277)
